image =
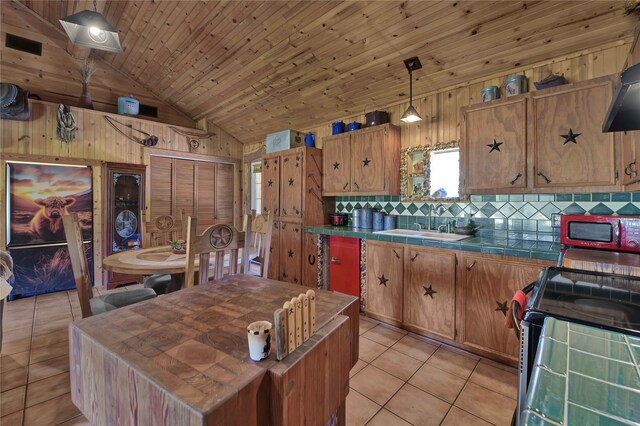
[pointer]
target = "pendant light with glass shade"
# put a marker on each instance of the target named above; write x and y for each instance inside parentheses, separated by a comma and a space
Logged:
(411, 115)
(89, 28)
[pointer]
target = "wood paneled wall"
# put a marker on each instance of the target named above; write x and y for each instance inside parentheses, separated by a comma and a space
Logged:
(97, 142)
(441, 110)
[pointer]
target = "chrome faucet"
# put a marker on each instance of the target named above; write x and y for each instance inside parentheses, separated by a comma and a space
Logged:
(432, 208)
(418, 226)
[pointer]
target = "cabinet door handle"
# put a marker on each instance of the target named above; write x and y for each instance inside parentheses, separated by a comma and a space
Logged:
(633, 171)
(471, 266)
(311, 259)
(518, 176)
(345, 186)
(544, 177)
(356, 185)
(396, 253)
(284, 211)
(413, 258)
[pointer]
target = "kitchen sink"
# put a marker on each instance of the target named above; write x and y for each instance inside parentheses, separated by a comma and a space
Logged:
(431, 235)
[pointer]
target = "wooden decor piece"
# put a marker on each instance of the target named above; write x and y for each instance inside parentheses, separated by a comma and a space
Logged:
(193, 138)
(311, 295)
(280, 324)
(305, 316)
(291, 326)
(297, 308)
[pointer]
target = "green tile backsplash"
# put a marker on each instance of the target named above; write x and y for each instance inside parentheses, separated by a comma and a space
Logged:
(512, 216)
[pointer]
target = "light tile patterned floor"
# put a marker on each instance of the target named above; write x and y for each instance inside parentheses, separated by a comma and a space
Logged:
(405, 379)
(400, 379)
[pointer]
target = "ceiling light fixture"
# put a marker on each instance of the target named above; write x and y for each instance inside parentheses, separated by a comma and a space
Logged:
(89, 28)
(411, 115)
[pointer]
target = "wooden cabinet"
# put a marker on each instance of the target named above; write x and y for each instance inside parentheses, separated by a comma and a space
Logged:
(494, 146)
(384, 284)
(570, 149)
(630, 159)
(191, 188)
(291, 188)
(309, 259)
(123, 215)
(545, 141)
(429, 291)
(362, 162)
(487, 287)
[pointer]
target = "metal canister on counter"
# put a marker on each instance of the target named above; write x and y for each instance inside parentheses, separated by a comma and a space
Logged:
(390, 222)
(366, 218)
(378, 221)
(356, 218)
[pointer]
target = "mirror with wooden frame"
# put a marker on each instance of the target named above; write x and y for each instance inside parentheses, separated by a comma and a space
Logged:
(431, 172)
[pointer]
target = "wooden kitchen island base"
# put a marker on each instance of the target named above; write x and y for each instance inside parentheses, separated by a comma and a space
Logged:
(182, 359)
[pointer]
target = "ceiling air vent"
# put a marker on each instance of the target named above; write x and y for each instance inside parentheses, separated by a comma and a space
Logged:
(24, 44)
(148, 110)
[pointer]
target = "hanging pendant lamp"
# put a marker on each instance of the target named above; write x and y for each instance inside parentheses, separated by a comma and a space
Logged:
(411, 115)
(89, 28)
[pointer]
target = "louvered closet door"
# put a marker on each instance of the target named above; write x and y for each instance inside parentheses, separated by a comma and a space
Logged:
(206, 194)
(184, 185)
(224, 193)
(161, 173)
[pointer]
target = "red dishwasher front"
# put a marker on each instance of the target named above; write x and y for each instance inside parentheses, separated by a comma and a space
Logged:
(344, 268)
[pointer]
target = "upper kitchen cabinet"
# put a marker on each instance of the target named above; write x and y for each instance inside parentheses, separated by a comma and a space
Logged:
(569, 148)
(494, 146)
(362, 162)
(630, 154)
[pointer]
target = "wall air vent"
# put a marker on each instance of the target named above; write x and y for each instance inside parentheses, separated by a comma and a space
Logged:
(23, 44)
(148, 110)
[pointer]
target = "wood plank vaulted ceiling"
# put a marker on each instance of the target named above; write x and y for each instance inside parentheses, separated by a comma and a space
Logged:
(258, 67)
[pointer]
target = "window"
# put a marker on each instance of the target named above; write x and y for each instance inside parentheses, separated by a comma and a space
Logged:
(256, 186)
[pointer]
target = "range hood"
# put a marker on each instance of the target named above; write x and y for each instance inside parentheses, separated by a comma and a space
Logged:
(624, 112)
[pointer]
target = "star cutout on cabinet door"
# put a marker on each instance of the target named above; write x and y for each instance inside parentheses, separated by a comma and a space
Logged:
(428, 291)
(502, 307)
(290, 253)
(495, 146)
(570, 137)
(383, 280)
(290, 181)
(336, 165)
(270, 182)
(365, 162)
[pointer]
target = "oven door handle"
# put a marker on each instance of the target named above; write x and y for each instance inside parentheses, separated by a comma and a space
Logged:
(617, 232)
(515, 310)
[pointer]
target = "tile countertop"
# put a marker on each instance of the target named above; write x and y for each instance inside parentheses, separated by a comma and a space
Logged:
(583, 376)
(519, 248)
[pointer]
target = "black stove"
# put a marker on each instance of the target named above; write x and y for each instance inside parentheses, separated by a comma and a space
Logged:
(592, 298)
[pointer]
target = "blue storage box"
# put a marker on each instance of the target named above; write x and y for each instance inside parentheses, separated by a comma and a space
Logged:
(285, 139)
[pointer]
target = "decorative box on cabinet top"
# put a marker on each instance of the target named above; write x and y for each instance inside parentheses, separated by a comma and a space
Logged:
(286, 139)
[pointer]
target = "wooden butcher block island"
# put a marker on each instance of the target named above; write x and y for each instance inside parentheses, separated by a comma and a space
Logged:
(182, 359)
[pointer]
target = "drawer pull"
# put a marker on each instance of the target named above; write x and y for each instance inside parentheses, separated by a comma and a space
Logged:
(471, 266)
(334, 260)
(429, 291)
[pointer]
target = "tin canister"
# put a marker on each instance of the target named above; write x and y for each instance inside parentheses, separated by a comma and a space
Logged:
(355, 218)
(515, 85)
(390, 222)
(354, 126)
(310, 139)
(337, 128)
(378, 221)
(489, 93)
(366, 218)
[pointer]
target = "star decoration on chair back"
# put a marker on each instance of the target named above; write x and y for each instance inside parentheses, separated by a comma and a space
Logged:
(495, 146)
(365, 162)
(502, 307)
(429, 291)
(164, 222)
(570, 137)
(383, 280)
(221, 236)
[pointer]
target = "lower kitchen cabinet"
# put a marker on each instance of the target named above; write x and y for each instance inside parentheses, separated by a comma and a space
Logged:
(274, 257)
(291, 252)
(487, 287)
(429, 291)
(385, 270)
(309, 260)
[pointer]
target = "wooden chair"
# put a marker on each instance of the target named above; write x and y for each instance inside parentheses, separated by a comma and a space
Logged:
(219, 239)
(159, 232)
(90, 305)
(261, 231)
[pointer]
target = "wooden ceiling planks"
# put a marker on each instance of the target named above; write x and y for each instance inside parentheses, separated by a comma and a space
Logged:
(257, 67)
